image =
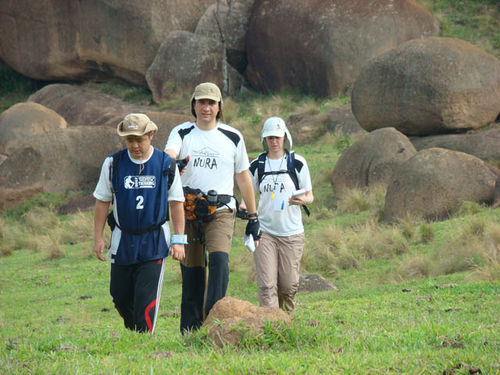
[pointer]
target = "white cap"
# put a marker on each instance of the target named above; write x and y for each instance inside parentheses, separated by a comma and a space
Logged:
(275, 127)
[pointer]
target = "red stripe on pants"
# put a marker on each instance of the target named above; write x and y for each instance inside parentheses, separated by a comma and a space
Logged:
(146, 315)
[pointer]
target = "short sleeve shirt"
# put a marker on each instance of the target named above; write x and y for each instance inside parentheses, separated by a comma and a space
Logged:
(215, 156)
(275, 215)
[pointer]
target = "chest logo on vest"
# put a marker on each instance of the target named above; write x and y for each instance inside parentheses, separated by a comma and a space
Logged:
(139, 182)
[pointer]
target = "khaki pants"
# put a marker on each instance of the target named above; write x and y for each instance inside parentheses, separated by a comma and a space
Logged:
(218, 235)
(277, 263)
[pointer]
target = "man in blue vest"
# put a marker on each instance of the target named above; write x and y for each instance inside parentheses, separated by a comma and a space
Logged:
(145, 188)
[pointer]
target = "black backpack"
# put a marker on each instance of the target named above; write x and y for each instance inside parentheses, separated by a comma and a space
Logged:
(293, 165)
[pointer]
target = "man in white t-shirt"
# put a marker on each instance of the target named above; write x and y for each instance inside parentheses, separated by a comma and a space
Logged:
(213, 156)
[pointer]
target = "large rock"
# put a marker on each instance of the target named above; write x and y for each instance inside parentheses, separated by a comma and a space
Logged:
(371, 160)
(165, 121)
(319, 46)
(309, 126)
(306, 127)
(183, 61)
(234, 24)
(435, 182)
(60, 161)
(24, 120)
(83, 106)
(342, 120)
(314, 283)
(483, 144)
(71, 39)
(429, 86)
(230, 318)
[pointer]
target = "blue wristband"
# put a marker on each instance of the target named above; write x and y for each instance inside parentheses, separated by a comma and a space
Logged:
(178, 239)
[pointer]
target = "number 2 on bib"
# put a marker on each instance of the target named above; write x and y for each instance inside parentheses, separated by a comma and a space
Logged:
(140, 202)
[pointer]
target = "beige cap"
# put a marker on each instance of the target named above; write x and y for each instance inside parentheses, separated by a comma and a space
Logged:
(135, 124)
(207, 90)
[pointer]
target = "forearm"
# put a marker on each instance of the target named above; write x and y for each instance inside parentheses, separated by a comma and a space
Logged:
(172, 153)
(309, 197)
(244, 182)
(100, 217)
(177, 214)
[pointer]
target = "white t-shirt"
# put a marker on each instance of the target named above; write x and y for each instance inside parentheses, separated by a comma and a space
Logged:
(215, 156)
(276, 216)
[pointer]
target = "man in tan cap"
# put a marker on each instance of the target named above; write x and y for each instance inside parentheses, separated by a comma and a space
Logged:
(216, 156)
(142, 182)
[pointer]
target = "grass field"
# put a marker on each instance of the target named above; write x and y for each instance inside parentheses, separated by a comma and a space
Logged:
(57, 317)
(416, 298)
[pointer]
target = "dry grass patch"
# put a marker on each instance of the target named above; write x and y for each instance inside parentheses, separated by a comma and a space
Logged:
(358, 200)
(39, 230)
(414, 266)
(40, 220)
(5, 247)
(372, 241)
(332, 248)
(425, 233)
(475, 248)
(490, 269)
(322, 251)
(78, 228)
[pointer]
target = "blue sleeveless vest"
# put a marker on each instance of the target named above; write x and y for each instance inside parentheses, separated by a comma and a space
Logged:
(141, 203)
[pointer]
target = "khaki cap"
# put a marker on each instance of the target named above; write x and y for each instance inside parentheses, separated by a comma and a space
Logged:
(207, 90)
(135, 124)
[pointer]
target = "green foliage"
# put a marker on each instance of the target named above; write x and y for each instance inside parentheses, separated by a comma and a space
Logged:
(39, 200)
(123, 90)
(14, 87)
(476, 21)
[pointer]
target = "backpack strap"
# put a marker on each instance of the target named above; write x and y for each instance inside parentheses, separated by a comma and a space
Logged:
(261, 166)
(292, 170)
(295, 165)
(113, 167)
(170, 173)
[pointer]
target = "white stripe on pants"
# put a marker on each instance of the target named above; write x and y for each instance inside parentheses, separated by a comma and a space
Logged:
(277, 263)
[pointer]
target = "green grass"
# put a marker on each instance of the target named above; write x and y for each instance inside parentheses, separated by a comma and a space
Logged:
(57, 317)
(400, 306)
(476, 21)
